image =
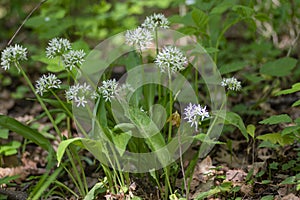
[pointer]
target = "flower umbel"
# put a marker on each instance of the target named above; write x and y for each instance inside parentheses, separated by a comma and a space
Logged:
(57, 46)
(46, 82)
(140, 38)
(73, 58)
(11, 55)
(80, 93)
(170, 59)
(156, 21)
(195, 113)
(231, 84)
(109, 89)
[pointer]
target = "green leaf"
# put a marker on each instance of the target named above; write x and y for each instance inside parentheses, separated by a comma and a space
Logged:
(290, 129)
(251, 130)
(266, 182)
(289, 180)
(203, 138)
(4, 133)
(210, 50)
(199, 17)
(121, 141)
(10, 148)
(8, 179)
(276, 119)
(210, 192)
(221, 8)
(295, 88)
(57, 104)
(276, 138)
(95, 147)
(235, 120)
(53, 65)
(268, 197)
(297, 103)
(280, 67)
(63, 146)
(232, 67)
(91, 194)
(25, 131)
(243, 11)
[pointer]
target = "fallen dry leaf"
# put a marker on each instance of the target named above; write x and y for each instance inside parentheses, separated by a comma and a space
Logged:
(290, 197)
(28, 167)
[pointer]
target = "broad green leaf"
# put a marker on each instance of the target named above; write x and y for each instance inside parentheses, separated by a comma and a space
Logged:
(25, 131)
(268, 197)
(232, 67)
(96, 147)
(280, 67)
(63, 146)
(289, 180)
(297, 103)
(266, 181)
(276, 138)
(254, 78)
(276, 119)
(251, 130)
(62, 105)
(235, 120)
(53, 65)
(199, 17)
(221, 8)
(290, 129)
(8, 179)
(210, 192)
(203, 138)
(121, 141)
(10, 148)
(187, 20)
(81, 44)
(124, 127)
(295, 88)
(130, 61)
(211, 50)
(243, 11)
(4, 133)
(91, 194)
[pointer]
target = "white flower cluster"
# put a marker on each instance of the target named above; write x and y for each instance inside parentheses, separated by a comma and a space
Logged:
(156, 21)
(231, 84)
(170, 59)
(73, 58)
(12, 54)
(109, 89)
(195, 113)
(57, 47)
(46, 82)
(62, 47)
(140, 38)
(80, 93)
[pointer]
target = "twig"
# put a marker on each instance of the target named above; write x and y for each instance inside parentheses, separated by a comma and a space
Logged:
(182, 167)
(25, 20)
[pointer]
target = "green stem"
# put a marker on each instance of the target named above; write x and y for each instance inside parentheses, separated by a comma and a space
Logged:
(40, 101)
(170, 107)
(70, 114)
(167, 169)
(52, 121)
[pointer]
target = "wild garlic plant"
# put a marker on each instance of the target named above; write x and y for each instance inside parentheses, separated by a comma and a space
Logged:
(50, 83)
(141, 117)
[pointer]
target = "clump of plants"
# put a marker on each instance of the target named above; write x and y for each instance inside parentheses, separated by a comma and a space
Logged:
(169, 98)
